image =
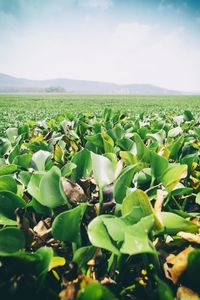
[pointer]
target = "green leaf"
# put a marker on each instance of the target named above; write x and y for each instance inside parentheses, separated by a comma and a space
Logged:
(98, 234)
(189, 160)
(96, 140)
(124, 181)
(143, 178)
(136, 239)
(11, 240)
(187, 115)
(23, 160)
(25, 177)
(173, 175)
(9, 202)
(190, 276)
(36, 263)
(157, 137)
(125, 144)
(39, 208)
(107, 142)
(128, 158)
(96, 291)
(68, 169)
(66, 226)
(13, 153)
(175, 147)
(7, 169)
(12, 134)
(158, 164)
(136, 205)
(39, 159)
(34, 185)
(5, 146)
(117, 132)
(103, 169)
(8, 183)
(197, 200)
(180, 189)
(115, 227)
(51, 192)
(83, 162)
(173, 223)
(83, 255)
(143, 152)
(45, 255)
(164, 291)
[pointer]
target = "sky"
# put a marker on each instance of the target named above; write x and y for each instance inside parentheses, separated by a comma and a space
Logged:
(122, 41)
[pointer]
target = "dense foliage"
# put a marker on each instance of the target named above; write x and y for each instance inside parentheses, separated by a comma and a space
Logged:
(15, 109)
(100, 207)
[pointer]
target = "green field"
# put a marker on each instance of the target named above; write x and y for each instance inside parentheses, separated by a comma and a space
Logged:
(101, 204)
(16, 109)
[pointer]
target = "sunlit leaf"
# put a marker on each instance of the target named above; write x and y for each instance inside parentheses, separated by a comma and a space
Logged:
(103, 169)
(173, 175)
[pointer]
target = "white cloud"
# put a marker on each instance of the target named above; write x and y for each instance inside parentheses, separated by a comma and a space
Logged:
(147, 54)
(131, 35)
(122, 53)
(98, 4)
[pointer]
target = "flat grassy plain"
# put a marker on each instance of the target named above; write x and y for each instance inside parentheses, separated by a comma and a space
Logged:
(15, 109)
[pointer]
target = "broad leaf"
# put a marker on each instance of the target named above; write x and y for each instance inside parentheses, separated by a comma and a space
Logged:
(12, 134)
(39, 159)
(83, 255)
(135, 206)
(9, 202)
(8, 183)
(107, 142)
(34, 185)
(173, 175)
(66, 226)
(124, 181)
(68, 169)
(103, 169)
(143, 152)
(11, 240)
(98, 234)
(136, 239)
(158, 164)
(7, 169)
(96, 291)
(174, 223)
(83, 162)
(23, 160)
(51, 190)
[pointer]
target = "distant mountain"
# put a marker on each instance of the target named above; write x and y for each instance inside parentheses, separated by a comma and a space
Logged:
(10, 84)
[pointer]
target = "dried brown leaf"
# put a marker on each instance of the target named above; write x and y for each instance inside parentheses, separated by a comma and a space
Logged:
(74, 192)
(184, 293)
(190, 237)
(176, 264)
(42, 229)
(68, 293)
(159, 203)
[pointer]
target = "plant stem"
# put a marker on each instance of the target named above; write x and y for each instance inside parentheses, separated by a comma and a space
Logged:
(177, 204)
(100, 200)
(152, 187)
(74, 247)
(152, 181)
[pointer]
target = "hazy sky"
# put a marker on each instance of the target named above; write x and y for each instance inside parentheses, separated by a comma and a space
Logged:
(156, 42)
